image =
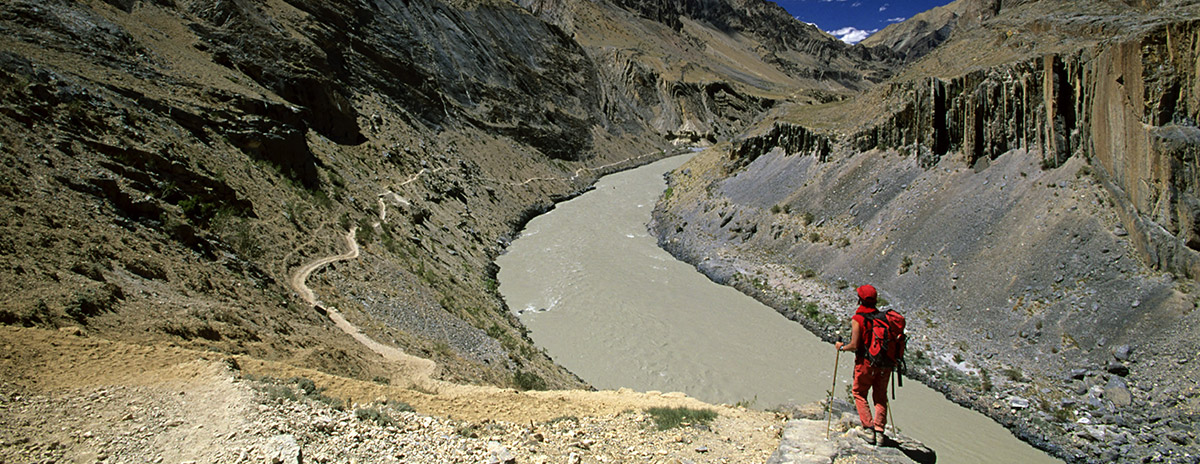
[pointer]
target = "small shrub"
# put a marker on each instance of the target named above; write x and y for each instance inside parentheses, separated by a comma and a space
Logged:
(985, 380)
(399, 406)
(843, 242)
(776, 209)
(365, 232)
(1062, 415)
(905, 264)
(281, 392)
(814, 237)
(806, 218)
(1013, 374)
(669, 418)
(467, 430)
(528, 381)
(374, 414)
(811, 310)
(379, 379)
(841, 284)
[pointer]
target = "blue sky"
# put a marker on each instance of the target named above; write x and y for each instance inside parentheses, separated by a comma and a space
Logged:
(854, 20)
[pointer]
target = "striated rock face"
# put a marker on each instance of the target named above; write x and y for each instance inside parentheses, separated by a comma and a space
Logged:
(1129, 107)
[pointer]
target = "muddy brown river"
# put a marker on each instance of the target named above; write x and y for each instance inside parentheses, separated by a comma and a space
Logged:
(606, 302)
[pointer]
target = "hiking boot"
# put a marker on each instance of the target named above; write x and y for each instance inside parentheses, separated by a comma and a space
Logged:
(867, 435)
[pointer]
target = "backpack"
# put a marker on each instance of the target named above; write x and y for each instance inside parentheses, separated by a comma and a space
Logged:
(885, 340)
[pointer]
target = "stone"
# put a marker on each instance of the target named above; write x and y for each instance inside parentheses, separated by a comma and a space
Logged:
(498, 454)
(1118, 393)
(1121, 352)
(1118, 369)
(283, 449)
(1017, 402)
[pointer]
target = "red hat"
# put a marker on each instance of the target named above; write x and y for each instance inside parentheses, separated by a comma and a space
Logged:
(867, 291)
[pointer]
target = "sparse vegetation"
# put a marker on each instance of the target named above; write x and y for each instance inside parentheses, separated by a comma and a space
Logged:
(528, 381)
(985, 380)
(905, 263)
(278, 390)
(669, 418)
(366, 231)
(376, 415)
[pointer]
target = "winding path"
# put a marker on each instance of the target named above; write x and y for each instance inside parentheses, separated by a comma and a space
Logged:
(418, 370)
(413, 367)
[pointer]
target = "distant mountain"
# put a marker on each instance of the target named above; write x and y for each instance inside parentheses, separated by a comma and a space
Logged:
(920, 34)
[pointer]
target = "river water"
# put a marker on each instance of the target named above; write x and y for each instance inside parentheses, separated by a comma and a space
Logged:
(606, 302)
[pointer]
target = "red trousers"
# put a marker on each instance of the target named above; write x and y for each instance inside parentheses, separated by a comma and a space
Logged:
(875, 380)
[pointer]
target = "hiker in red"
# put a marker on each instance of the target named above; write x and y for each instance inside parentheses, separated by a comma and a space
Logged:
(867, 377)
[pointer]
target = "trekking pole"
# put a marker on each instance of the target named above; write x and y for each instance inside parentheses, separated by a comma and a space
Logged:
(892, 417)
(829, 408)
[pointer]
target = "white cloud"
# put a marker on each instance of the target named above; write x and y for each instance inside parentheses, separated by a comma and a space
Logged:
(851, 35)
(856, 4)
(883, 8)
(898, 19)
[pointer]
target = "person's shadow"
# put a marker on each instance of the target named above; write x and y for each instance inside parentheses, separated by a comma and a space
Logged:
(915, 451)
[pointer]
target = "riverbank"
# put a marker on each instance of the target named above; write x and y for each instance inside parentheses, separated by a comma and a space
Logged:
(981, 337)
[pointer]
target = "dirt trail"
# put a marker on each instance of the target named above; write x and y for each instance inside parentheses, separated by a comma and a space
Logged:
(417, 369)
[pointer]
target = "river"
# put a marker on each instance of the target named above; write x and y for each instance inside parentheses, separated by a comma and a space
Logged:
(596, 291)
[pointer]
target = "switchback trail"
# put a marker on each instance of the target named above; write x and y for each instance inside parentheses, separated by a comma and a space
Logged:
(417, 369)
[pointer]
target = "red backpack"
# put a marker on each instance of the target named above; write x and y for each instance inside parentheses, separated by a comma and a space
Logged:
(885, 340)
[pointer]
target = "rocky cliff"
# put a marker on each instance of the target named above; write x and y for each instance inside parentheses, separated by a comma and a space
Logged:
(1030, 213)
